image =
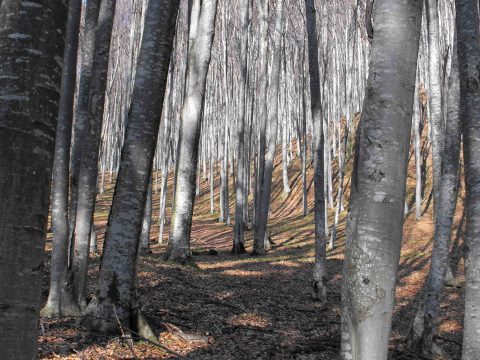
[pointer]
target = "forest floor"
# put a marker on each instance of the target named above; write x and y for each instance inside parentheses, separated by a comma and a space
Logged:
(244, 307)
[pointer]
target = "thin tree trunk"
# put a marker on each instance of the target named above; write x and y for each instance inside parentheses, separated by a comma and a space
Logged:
(114, 297)
(191, 116)
(60, 298)
(468, 36)
(319, 269)
(375, 224)
(238, 234)
(34, 35)
(87, 186)
(424, 325)
(435, 97)
(265, 191)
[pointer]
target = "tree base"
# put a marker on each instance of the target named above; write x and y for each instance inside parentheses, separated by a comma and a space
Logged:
(178, 257)
(238, 249)
(319, 292)
(63, 307)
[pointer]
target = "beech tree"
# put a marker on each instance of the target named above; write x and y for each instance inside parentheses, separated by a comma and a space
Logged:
(375, 221)
(468, 35)
(33, 34)
(191, 116)
(115, 292)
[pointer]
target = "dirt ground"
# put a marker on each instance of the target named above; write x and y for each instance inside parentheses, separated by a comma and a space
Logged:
(244, 307)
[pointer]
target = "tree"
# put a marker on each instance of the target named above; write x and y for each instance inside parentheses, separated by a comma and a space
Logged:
(319, 270)
(88, 172)
(115, 290)
(266, 183)
(468, 36)
(259, 243)
(375, 223)
(191, 116)
(29, 99)
(238, 235)
(60, 298)
(424, 325)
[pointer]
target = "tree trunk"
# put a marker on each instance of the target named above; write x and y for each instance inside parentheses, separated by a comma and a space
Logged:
(435, 97)
(87, 186)
(191, 116)
(114, 295)
(238, 235)
(319, 269)
(259, 243)
(266, 188)
(60, 298)
(375, 225)
(424, 325)
(31, 41)
(81, 111)
(144, 242)
(468, 36)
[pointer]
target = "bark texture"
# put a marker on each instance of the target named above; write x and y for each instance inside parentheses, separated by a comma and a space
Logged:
(115, 291)
(425, 323)
(31, 44)
(375, 224)
(191, 116)
(319, 269)
(468, 36)
(60, 298)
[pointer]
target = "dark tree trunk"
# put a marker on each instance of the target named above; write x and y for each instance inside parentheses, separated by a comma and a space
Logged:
(28, 113)
(87, 185)
(468, 36)
(60, 298)
(114, 295)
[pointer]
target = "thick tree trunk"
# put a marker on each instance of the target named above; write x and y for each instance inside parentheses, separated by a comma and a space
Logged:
(87, 186)
(31, 41)
(114, 296)
(238, 235)
(319, 269)
(60, 298)
(191, 116)
(266, 189)
(424, 325)
(374, 231)
(468, 36)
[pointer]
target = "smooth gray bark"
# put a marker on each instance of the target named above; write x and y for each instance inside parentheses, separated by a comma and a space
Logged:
(259, 243)
(87, 186)
(144, 242)
(238, 234)
(435, 97)
(115, 290)
(266, 186)
(468, 36)
(31, 42)
(191, 116)
(375, 223)
(319, 269)
(60, 297)
(81, 110)
(425, 323)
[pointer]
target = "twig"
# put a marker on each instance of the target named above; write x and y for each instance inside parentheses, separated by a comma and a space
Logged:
(129, 344)
(448, 340)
